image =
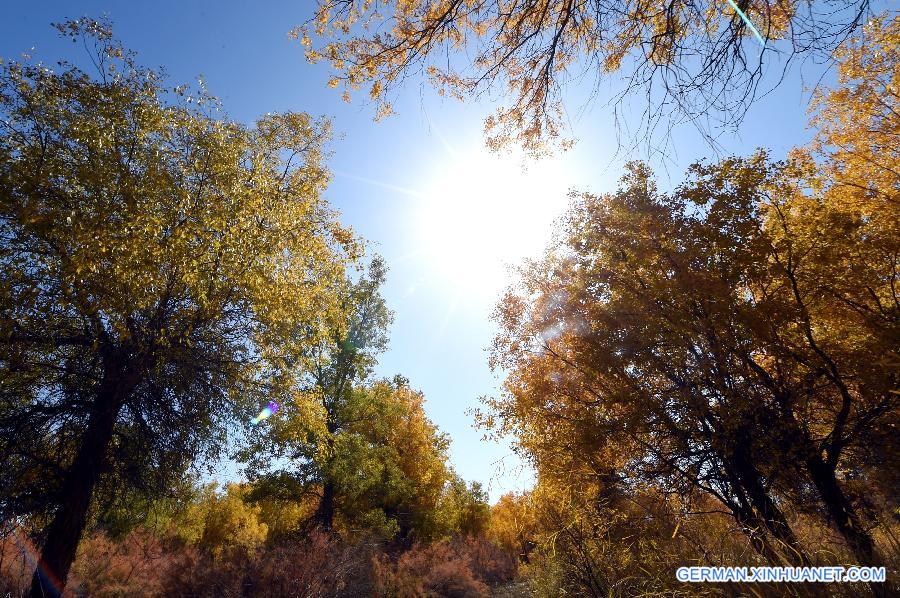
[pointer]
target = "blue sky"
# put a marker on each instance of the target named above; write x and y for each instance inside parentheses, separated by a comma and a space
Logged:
(419, 185)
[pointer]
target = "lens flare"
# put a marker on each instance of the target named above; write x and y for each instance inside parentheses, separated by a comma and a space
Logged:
(748, 22)
(30, 554)
(268, 411)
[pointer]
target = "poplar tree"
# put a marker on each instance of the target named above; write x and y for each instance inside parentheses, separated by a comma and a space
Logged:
(154, 259)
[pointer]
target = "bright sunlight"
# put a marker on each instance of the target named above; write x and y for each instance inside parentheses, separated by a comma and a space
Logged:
(482, 212)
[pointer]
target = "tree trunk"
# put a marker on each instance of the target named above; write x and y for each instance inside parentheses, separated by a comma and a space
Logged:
(841, 511)
(839, 508)
(325, 511)
(68, 523)
(767, 513)
(324, 516)
(750, 524)
(756, 534)
(775, 523)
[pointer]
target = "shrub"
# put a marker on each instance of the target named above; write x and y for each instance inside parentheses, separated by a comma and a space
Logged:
(436, 570)
(318, 565)
(134, 566)
(490, 563)
(16, 563)
(198, 574)
(321, 565)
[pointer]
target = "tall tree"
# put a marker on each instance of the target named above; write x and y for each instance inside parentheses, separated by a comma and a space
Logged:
(690, 339)
(327, 399)
(838, 248)
(365, 449)
(691, 58)
(383, 468)
(155, 260)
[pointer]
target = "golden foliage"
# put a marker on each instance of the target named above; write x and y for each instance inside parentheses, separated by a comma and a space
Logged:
(533, 49)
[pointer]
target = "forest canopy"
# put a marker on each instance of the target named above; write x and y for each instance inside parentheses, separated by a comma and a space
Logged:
(704, 374)
(693, 61)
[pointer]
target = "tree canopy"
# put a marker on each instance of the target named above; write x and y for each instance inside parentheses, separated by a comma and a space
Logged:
(155, 259)
(734, 338)
(691, 59)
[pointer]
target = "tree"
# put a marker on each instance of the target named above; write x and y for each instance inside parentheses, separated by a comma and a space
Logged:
(406, 457)
(347, 358)
(231, 522)
(857, 145)
(327, 400)
(691, 58)
(839, 248)
(690, 340)
(382, 470)
(465, 507)
(513, 524)
(154, 260)
(364, 449)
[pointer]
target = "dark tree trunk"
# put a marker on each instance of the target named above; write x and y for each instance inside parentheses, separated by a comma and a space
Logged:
(767, 513)
(838, 506)
(324, 516)
(772, 519)
(750, 524)
(841, 511)
(68, 523)
(756, 534)
(325, 511)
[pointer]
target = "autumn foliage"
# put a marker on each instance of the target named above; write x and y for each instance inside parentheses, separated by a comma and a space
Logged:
(689, 58)
(722, 356)
(700, 375)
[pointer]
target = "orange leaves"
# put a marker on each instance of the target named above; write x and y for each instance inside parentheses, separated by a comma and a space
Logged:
(859, 127)
(531, 49)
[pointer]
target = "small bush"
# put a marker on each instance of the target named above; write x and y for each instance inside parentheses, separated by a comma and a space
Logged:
(490, 563)
(135, 566)
(16, 564)
(436, 570)
(197, 574)
(321, 565)
(318, 565)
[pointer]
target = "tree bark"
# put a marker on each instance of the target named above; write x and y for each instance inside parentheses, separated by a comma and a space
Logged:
(769, 516)
(68, 523)
(766, 512)
(841, 511)
(756, 534)
(325, 511)
(838, 506)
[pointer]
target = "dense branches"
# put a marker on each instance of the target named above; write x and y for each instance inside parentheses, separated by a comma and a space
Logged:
(734, 340)
(153, 259)
(691, 59)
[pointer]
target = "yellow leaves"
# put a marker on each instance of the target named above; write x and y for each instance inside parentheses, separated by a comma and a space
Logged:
(197, 220)
(858, 126)
(375, 90)
(301, 34)
(384, 110)
(231, 522)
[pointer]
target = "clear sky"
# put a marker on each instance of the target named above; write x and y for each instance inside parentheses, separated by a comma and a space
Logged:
(419, 186)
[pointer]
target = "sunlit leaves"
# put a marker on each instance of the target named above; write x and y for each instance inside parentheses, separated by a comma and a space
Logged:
(137, 223)
(695, 56)
(668, 335)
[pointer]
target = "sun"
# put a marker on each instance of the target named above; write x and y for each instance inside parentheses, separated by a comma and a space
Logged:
(483, 212)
